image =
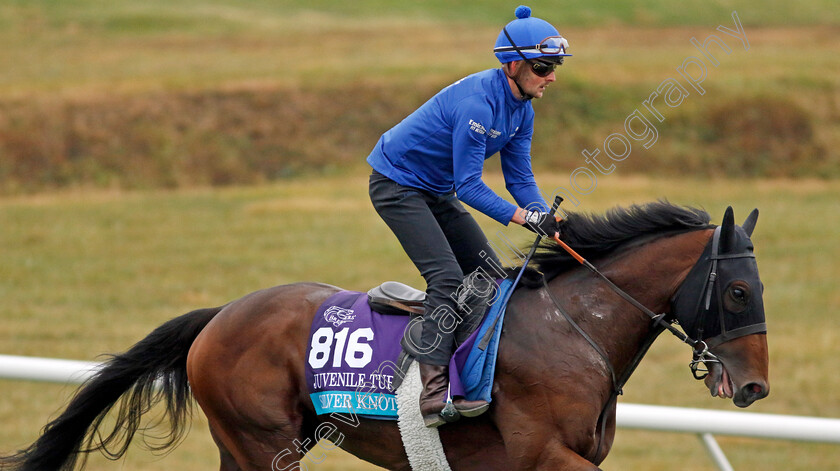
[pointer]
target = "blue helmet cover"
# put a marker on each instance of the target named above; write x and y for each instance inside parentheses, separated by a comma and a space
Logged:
(525, 31)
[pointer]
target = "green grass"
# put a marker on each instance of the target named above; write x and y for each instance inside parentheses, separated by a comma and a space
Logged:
(86, 273)
(222, 15)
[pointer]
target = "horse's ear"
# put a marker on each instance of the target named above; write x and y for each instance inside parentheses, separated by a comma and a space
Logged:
(727, 231)
(749, 223)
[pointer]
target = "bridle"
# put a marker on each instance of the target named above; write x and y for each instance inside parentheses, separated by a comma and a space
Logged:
(708, 267)
(704, 356)
(662, 321)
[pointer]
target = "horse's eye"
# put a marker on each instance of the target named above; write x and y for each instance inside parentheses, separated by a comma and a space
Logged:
(737, 296)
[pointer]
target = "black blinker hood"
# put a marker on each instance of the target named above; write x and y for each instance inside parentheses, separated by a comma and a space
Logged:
(699, 305)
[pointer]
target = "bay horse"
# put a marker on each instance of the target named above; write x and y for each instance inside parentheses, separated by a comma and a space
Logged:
(553, 402)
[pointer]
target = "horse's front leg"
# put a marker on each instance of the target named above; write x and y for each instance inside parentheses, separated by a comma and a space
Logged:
(557, 456)
(535, 439)
(550, 456)
(533, 446)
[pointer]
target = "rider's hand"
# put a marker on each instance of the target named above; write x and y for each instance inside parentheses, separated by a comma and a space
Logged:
(542, 223)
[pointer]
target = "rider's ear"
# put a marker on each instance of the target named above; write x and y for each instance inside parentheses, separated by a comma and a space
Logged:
(749, 223)
(727, 231)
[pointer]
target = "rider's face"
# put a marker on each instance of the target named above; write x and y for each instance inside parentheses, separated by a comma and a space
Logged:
(530, 82)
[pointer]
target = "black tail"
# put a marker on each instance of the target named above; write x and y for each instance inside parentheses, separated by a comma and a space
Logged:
(153, 370)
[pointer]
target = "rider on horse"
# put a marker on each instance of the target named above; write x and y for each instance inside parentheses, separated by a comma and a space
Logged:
(425, 166)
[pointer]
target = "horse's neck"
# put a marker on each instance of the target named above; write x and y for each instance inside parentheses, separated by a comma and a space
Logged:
(649, 272)
(652, 272)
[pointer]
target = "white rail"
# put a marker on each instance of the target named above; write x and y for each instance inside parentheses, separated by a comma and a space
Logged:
(703, 422)
(50, 370)
(746, 424)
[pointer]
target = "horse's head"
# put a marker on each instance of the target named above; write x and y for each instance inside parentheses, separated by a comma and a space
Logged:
(721, 303)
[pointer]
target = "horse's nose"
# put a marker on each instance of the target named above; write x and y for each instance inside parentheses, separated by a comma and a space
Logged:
(752, 392)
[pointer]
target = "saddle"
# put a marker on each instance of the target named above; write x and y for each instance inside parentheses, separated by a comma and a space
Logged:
(395, 298)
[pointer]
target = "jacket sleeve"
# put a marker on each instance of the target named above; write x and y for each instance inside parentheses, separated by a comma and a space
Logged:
(516, 167)
(472, 117)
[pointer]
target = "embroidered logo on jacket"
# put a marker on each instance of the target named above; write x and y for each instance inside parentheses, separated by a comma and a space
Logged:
(477, 127)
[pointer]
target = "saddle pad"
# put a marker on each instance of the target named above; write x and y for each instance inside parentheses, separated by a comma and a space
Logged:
(352, 349)
(352, 356)
(474, 362)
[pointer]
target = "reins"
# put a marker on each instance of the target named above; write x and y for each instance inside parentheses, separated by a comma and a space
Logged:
(659, 325)
(700, 351)
(658, 319)
(557, 201)
(706, 269)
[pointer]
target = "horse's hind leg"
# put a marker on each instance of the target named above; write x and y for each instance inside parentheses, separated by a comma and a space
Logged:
(226, 459)
(246, 373)
(258, 450)
(252, 431)
(257, 425)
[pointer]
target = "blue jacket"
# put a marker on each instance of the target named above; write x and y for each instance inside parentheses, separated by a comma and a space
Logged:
(442, 146)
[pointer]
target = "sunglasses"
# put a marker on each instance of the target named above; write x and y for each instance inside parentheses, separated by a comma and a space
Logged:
(542, 69)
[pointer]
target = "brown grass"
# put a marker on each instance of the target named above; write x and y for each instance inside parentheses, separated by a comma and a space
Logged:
(123, 107)
(178, 139)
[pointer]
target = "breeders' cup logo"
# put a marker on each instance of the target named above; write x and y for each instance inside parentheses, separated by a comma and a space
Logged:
(339, 315)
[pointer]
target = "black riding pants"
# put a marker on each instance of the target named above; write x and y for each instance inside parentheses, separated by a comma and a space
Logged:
(444, 242)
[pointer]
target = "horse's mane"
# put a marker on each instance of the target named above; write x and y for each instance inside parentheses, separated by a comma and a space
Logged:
(593, 236)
